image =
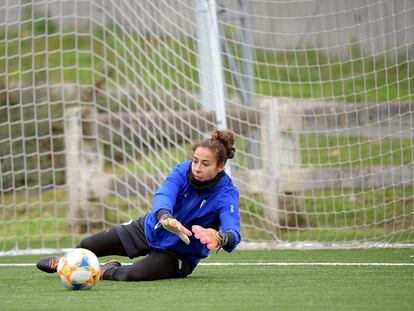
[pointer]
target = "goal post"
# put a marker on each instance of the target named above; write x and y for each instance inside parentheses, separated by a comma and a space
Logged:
(99, 100)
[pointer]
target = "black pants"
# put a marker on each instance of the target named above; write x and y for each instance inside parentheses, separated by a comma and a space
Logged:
(155, 266)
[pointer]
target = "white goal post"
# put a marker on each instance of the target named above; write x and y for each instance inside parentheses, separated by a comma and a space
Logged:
(99, 100)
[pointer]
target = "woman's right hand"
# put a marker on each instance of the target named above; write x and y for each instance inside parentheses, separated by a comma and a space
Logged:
(174, 226)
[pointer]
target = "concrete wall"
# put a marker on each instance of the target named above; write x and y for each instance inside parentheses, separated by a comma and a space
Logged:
(378, 26)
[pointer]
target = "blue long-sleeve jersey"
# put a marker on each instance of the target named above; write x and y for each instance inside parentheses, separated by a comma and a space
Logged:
(216, 207)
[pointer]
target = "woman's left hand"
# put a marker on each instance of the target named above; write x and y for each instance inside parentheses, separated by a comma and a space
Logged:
(207, 236)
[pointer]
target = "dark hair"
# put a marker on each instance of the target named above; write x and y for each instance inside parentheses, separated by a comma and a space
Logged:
(221, 142)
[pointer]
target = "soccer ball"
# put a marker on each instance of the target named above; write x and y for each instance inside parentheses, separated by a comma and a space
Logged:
(78, 269)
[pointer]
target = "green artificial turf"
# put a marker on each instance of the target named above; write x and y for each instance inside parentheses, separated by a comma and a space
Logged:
(232, 287)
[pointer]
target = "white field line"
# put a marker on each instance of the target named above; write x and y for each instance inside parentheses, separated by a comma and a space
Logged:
(306, 264)
(277, 264)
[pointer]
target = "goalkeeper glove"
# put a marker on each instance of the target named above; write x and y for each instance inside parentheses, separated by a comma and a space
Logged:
(174, 226)
(214, 239)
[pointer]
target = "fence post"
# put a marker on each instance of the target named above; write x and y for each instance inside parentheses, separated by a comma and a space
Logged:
(85, 176)
(281, 156)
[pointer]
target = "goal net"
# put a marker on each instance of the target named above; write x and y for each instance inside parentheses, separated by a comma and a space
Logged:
(99, 100)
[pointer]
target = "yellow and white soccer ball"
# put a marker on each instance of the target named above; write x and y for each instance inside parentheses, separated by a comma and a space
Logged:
(78, 269)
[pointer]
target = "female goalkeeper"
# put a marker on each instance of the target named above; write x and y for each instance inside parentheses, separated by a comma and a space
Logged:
(197, 195)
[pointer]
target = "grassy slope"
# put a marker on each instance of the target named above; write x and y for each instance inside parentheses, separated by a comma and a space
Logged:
(309, 73)
(232, 287)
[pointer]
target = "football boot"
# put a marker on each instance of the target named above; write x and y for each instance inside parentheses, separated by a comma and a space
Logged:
(48, 264)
